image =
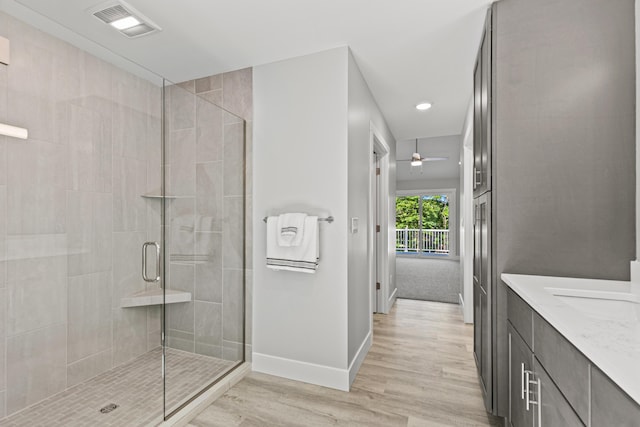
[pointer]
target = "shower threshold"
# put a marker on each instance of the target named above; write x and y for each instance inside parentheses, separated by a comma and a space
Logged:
(128, 395)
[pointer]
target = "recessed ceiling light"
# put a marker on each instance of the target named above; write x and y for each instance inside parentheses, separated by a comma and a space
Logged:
(423, 106)
(125, 23)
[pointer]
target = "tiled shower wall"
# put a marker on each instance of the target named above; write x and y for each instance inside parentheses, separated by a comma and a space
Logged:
(72, 219)
(206, 166)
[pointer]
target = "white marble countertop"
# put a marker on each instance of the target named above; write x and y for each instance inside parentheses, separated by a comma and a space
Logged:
(606, 333)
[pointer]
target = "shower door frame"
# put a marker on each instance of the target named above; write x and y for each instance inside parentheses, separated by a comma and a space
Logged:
(165, 257)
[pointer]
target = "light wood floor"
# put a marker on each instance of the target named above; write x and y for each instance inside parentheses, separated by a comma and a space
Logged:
(419, 372)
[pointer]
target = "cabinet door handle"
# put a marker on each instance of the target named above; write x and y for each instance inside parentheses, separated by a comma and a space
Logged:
(539, 402)
(476, 173)
(522, 380)
(526, 389)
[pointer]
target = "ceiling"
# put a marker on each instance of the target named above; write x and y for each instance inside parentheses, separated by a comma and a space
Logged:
(445, 146)
(408, 50)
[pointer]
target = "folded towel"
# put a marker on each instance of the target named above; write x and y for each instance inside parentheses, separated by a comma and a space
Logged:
(303, 258)
(291, 229)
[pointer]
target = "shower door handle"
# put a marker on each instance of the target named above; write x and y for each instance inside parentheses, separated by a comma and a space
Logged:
(144, 262)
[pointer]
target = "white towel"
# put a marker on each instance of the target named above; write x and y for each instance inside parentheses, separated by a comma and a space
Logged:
(303, 258)
(291, 229)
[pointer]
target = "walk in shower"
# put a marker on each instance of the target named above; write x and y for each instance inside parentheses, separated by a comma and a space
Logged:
(122, 233)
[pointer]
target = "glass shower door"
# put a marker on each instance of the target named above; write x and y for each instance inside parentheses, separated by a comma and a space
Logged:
(203, 251)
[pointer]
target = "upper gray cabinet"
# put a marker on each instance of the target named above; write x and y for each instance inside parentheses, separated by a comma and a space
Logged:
(482, 115)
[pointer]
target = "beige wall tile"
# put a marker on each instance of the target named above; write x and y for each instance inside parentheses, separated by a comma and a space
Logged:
(233, 236)
(232, 305)
(129, 334)
(87, 134)
(215, 96)
(182, 159)
(209, 277)
(180, 108)
(180, 317)
(209, 196)
(238, 92)
(127, 266)
(3, 235)
(130, 132)
(89, 315)
(37, 366)
(248, 338)
(89, 367)
(234, 166)
(129, 183)
(209, 350)
(208, 323)
(89, 232)
(232, 351)
(37, 293)
(207, 84)
(180, 340)
(210, 131)
(36, 188)
(154, 326)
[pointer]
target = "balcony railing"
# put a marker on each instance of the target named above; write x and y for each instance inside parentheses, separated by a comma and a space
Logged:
(422, 241)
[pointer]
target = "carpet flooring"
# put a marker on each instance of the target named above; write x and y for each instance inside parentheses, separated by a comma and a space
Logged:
(428, 279)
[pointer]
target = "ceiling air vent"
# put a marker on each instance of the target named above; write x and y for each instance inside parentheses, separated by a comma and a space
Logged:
(124, 18)
(112, 14)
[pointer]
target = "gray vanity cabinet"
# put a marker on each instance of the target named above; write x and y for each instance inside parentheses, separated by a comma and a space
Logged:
(566, 365)
(552, 409)
(608, 403)
(559, 385)
(520, 362)
(534, 398)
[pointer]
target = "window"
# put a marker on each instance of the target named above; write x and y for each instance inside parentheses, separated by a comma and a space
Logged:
(422, 224)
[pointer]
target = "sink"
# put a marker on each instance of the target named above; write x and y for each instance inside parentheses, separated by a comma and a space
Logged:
(602, 305)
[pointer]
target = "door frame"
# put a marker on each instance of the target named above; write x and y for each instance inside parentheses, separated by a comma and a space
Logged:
(379, 301)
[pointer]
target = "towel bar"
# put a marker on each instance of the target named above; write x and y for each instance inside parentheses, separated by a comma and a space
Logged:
(328, 219)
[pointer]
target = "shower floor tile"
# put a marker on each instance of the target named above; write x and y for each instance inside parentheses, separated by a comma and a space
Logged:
(136, 387)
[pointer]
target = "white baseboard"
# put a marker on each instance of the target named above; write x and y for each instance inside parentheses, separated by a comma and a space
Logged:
(326, 376)
(635, 271)
(392, 299)
(362, 352)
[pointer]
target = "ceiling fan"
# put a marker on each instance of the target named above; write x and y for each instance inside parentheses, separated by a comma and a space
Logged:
(416, 159)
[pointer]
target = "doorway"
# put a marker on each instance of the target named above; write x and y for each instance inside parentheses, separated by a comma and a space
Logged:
(381, 299)
(428, 267)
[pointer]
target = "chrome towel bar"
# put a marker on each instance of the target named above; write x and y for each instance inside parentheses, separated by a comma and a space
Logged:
(328, 219)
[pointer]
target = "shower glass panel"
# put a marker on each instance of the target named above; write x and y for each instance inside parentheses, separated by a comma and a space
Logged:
(72, 225)
(117, 160)
(203, 216)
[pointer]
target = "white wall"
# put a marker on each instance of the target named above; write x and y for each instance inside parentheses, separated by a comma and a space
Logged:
(363, 111)
(429, 184)
(466, 217)
(635, 265)
(300, 164)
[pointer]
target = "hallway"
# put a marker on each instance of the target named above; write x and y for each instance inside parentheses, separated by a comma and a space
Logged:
(419, 372)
